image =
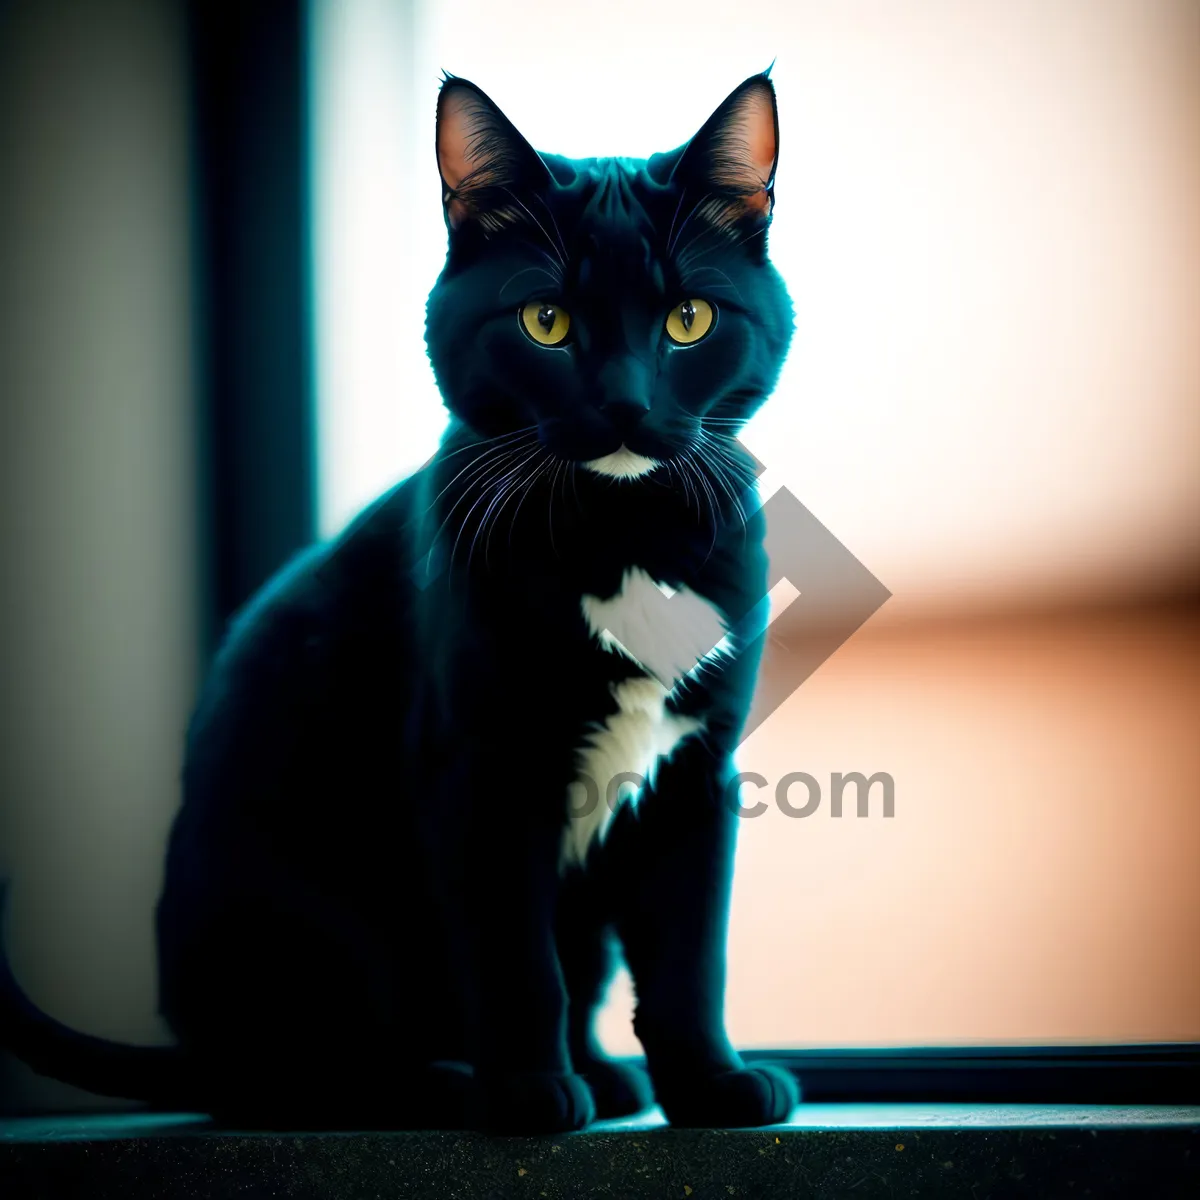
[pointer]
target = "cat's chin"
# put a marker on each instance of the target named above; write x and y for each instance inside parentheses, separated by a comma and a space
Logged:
(622, 463)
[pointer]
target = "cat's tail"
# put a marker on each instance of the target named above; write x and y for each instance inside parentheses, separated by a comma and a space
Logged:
(156, 1075)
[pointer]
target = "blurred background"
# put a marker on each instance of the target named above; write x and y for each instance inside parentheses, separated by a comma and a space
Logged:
(218, 226)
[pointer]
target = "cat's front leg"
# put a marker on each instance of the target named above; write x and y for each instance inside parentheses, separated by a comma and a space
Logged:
(587, 952)
(677, 864)
(522, 1063)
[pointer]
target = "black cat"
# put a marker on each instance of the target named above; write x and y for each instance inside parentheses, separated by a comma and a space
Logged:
(406, 852)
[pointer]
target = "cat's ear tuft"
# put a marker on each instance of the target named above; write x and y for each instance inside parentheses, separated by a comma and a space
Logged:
(484, 163)
(732, 160)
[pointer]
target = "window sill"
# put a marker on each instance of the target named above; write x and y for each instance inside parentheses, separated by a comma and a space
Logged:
(831, 1149)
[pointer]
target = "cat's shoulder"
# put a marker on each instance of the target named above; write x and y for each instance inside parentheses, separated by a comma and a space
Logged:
(329, 583)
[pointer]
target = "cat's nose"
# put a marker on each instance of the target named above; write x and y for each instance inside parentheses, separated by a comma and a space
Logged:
(625, 412)
(624, 391)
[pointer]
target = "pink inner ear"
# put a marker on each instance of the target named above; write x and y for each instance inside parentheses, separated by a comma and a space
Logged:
(455, 162)
(756, 128)
(453, 130)
(752, 130)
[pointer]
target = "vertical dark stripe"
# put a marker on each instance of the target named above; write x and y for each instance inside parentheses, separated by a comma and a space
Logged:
(255, 388)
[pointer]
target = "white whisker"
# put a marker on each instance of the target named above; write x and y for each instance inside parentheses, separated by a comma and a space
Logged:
(500, 484)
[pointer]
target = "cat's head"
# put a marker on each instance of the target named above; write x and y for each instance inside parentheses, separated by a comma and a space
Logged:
(624, 309)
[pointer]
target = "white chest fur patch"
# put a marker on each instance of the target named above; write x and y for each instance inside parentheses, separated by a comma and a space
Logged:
(630, 742)
(669, 642)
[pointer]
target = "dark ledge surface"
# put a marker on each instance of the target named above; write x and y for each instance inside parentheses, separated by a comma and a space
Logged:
(827, 1150)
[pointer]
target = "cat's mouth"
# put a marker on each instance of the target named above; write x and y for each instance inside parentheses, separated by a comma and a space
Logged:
(623, 463)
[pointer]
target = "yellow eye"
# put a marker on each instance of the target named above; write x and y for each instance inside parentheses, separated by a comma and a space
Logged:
(547, 324)
(690, 321)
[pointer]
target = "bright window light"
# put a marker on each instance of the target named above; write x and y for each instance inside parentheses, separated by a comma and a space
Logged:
(379, 414)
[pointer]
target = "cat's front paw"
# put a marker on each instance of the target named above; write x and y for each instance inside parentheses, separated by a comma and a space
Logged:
(619, 1089)
(529, 1102)
(750, 1096)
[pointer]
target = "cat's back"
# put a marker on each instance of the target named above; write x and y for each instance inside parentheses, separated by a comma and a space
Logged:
(311, 658)
(293, 741)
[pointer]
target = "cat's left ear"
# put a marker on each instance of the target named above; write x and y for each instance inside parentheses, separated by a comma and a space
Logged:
(484, 163)
(732, 159)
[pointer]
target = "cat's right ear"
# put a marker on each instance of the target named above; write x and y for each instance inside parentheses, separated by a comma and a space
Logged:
(485, 165)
